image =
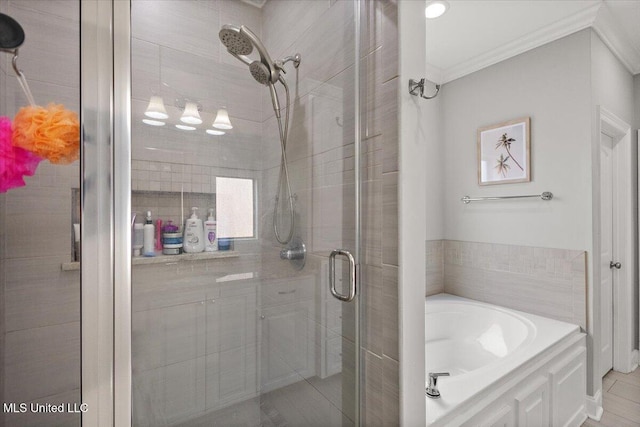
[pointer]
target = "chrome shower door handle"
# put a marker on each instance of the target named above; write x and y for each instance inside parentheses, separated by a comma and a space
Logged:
(352, 275)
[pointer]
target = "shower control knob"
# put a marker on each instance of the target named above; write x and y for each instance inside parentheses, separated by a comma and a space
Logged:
(615, 264)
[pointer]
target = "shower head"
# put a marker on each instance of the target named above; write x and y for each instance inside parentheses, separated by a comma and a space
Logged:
(260, 72)
(235, 42)
(11, 33)
(240, 42)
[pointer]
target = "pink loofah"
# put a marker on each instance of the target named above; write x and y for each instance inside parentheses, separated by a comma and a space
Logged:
(15, 162)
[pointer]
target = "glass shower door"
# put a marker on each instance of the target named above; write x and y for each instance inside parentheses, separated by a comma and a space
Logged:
(233, 320)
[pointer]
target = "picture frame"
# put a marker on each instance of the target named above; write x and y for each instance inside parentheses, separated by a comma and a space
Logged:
(504, 152)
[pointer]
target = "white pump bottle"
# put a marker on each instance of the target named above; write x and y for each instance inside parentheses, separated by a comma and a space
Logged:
(210, 233)
(193, 233)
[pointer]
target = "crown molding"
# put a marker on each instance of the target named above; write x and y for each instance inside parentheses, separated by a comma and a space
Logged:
(433, 73)
(555, 31)
(616, 40)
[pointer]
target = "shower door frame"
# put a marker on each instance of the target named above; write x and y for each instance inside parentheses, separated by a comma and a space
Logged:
(106, 212)
(106, 385)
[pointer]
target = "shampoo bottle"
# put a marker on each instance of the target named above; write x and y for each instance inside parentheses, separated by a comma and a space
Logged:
(211, 242)
(149, 236)
(193, 233)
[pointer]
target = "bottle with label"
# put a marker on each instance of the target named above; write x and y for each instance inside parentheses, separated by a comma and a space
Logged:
(211, 241)
(193, 233)
(149, 236)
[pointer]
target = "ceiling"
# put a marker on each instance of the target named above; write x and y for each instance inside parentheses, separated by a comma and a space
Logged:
(475, 34)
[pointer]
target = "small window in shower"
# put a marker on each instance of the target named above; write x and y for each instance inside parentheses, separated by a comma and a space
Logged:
(235, 207)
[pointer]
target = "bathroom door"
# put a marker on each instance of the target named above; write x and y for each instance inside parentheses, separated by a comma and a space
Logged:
(606, 255)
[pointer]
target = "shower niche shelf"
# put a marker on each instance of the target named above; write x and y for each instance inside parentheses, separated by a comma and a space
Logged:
(166, 259)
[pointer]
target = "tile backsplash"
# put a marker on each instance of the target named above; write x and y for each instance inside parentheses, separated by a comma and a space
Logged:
(544, 281)
(435, 267)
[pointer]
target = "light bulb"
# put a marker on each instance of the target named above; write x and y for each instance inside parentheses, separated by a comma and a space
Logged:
(185, 127)
(435, 9)
(215, 132)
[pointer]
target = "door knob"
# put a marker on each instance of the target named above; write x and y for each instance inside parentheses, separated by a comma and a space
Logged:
(615, 264)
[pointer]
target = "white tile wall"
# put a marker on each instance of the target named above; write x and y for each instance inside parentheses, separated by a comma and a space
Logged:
(49, 352)
(183, 25)
(40, 303)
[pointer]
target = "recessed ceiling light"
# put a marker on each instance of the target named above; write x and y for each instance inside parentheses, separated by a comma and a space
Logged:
(184, 127)
(215, 132)
(435, 9)
(153, 122)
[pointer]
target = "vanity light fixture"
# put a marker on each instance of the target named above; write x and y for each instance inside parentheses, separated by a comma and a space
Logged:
(435, 9)
(215, 132)
(153, 122)
(156, 109)
(222, 120)
(185, 127)
(191, 115)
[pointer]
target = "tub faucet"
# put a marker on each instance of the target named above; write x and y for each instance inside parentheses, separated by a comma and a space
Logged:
(432, 389)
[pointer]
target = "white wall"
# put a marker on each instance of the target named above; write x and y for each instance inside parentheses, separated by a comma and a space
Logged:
(551, 85)
(558, 85)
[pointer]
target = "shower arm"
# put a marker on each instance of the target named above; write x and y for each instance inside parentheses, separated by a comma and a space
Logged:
(291, 58)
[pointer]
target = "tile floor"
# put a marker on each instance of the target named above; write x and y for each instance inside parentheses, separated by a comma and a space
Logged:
(310, 403)
(621, 400)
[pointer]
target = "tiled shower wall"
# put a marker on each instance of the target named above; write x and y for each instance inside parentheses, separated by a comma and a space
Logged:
(543, 281)
(40, 312)
(380, 210)
(322, 162)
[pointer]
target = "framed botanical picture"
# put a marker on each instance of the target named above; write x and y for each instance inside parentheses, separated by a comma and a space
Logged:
(504, 154)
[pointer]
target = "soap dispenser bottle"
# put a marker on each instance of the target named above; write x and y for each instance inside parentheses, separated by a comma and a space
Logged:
(211, 240)
(193, 233)
(149, 236)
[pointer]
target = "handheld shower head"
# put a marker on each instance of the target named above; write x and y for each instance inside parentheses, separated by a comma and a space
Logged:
(240, 42)
(234, 41)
